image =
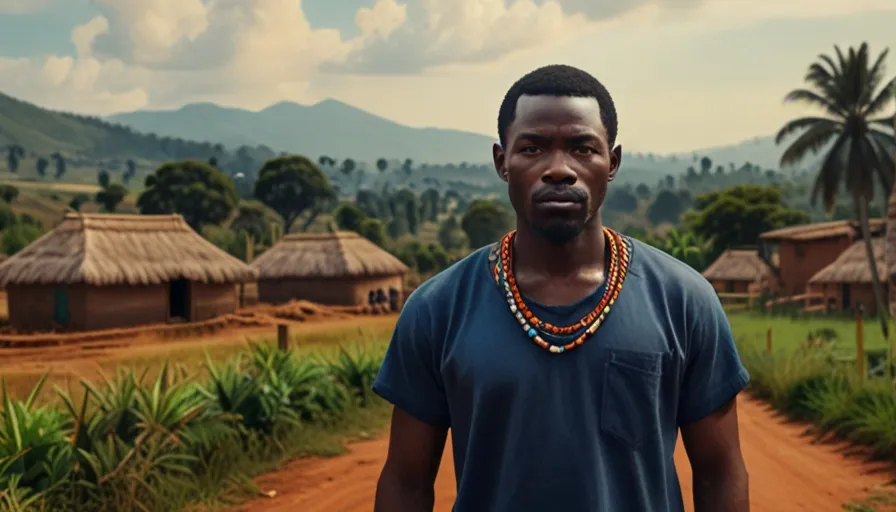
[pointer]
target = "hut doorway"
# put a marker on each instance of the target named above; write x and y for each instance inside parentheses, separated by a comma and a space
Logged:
(846, 299)
(178, 299)
(60, 306)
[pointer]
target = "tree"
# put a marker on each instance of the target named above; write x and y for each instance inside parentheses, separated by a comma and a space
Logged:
(621, 200)
(373, 230)
(110, 197)
(103, 178)
(736, 216)
(18, 236)
(192, 188)
(382, 164)
(666, 207)
(8, 193)
(251, 219)
(852, 97)
(450, 236)
(291, 186)
(484, 222)
(14, 153)
(41, 165)
(59, 162)
(349, 217)
(7, 216)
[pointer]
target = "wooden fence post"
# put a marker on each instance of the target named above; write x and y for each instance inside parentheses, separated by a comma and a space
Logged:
(768, 341)
(283, 337)
(860, 346)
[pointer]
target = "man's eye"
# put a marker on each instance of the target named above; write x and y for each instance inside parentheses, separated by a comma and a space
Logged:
(530, 149)
(586, 149)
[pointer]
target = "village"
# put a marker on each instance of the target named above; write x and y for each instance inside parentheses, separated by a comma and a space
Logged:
(212, 218)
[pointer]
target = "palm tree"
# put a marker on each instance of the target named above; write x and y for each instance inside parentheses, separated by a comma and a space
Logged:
(852, 132)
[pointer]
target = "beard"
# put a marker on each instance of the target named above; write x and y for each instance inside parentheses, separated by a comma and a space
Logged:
(559, 232)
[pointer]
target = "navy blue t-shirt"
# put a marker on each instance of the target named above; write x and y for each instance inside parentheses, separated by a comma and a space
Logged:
(590, 430)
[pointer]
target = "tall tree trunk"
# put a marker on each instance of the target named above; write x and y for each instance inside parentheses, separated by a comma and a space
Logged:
(882, 310)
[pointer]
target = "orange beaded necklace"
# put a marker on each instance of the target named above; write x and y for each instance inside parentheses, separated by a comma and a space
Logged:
(578, 332)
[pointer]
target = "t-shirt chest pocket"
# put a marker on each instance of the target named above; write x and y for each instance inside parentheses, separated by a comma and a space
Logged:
(630, 404)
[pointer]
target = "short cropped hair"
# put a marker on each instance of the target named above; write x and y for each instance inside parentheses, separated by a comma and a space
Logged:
(558, 80)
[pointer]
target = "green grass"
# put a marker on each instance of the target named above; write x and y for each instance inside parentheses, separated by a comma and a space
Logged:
(789, 333)
(180, 441)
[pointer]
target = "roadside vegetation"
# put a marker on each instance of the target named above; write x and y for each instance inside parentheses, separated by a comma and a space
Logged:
(180, 441)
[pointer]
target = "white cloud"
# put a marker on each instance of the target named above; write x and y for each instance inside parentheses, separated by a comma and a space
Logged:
(439, 32)
(84, 35)
(381, 20)
(163, 53)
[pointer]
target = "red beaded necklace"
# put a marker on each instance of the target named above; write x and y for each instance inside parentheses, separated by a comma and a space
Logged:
(580, 331)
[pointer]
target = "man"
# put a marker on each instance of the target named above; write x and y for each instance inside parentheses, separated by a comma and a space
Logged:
(564, 390)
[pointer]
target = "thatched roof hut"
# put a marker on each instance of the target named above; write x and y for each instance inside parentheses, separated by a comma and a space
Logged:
(96, 271)
(821, 230)
(852, 265)
(119, 249)
(737, 265)
(339, 255)
(340, 268)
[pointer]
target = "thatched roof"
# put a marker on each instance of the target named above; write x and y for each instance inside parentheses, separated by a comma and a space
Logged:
(852, 265)
(820, 230)
(111, 249)
(343, 254)
(737, 265)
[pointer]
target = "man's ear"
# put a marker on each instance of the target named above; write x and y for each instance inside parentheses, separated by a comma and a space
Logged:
(615, 162)
(498, 156)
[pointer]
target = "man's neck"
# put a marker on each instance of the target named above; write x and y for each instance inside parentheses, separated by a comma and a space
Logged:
(584, 256)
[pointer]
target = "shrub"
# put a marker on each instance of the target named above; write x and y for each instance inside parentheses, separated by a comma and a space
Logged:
(160, 444)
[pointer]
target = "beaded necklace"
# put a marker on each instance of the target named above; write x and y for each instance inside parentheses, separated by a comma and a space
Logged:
(580, 331)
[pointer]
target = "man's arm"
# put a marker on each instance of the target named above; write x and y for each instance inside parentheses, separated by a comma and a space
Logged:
(707, 414)
(408, 478)
(410, 378)
(720, 482)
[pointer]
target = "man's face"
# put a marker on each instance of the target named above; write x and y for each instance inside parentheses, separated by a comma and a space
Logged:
(557, 164)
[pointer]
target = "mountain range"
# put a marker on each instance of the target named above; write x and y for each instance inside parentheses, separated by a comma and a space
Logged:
(339, 130)
(329, 127)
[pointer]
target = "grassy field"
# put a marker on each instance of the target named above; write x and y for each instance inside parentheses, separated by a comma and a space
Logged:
(789, 334)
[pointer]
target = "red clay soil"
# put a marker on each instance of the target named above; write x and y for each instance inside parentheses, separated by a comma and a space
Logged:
(787, 473)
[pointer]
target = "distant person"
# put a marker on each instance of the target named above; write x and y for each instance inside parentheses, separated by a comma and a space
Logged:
(564, 391)
(381, 296)
(371, 298)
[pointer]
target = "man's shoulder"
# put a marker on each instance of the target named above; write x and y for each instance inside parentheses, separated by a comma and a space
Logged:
(439, 290)
(674, 277)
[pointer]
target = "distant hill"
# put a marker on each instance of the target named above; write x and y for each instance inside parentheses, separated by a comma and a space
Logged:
(42, 131)
(242, 139)
(761, 151)
(330, 128)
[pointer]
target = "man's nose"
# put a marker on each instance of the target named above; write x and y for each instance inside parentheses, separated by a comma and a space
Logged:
(559, 171)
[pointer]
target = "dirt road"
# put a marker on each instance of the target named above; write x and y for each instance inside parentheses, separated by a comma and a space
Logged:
(787, 473)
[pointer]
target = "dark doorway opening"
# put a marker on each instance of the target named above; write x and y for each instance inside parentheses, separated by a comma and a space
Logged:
(178, 299)
(846, 296)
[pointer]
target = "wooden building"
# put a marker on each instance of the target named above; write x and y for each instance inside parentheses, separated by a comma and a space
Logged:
(99, 271)
(337, 268)
(736, 270)
(797, 253)
(845, 284)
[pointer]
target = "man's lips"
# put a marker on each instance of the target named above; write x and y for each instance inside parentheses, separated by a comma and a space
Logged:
(560, 205)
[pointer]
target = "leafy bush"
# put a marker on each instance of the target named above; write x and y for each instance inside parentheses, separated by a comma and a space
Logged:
(160, 444)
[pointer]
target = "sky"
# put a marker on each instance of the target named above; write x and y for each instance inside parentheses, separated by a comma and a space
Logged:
(685, 74)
